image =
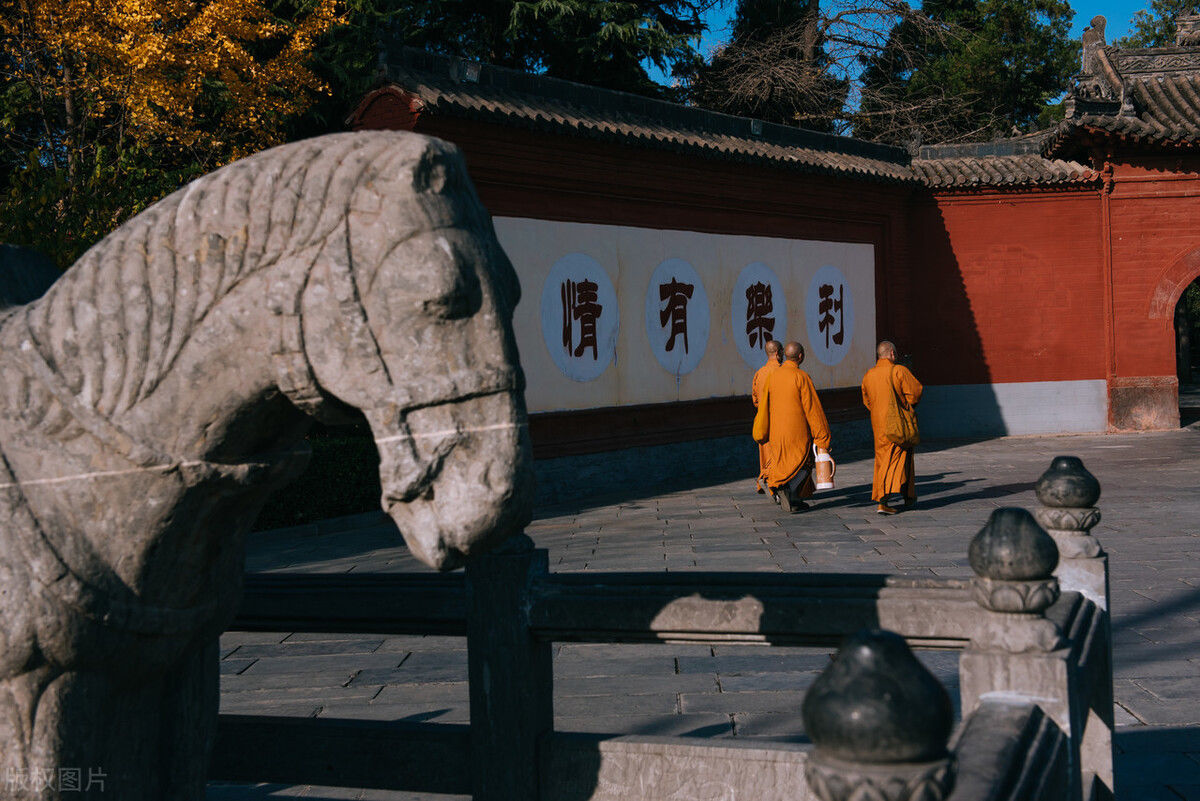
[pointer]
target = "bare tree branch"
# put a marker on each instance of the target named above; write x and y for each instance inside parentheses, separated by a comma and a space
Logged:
(801, 66)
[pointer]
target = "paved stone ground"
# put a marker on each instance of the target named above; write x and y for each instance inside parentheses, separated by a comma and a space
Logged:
(1150, 528)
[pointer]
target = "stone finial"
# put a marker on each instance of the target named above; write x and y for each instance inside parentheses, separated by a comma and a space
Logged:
(1012, 547)
(1187, 30)
(1014, 561)
(880, 722)
(1067, 483)
(1068, 494)
(1093, 34)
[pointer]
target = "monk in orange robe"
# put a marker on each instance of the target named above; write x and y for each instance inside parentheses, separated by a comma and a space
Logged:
(895, 476)
(772, 349)
(797, 422)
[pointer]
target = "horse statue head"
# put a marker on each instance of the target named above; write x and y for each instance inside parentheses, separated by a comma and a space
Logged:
(159, 391)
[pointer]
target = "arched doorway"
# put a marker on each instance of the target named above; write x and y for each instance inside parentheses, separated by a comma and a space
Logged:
(1187, 353)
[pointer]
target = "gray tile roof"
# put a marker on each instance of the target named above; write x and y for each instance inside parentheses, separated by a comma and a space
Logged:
(457, 88)
(486, 92)
(1000, 171)
(1151, 95)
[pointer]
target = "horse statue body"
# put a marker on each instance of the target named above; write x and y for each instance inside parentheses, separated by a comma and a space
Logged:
(152, 399)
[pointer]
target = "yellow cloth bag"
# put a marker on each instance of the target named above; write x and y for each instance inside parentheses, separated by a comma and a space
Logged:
(762, 421)
(900, 422)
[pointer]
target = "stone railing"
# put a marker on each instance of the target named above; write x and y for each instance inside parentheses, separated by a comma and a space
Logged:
(1035, 673)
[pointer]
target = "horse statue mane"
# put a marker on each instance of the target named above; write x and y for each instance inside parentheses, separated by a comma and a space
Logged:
(159, 391)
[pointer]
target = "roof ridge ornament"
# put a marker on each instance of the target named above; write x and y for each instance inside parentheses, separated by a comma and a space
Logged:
(1098, 88)
(1187, 30)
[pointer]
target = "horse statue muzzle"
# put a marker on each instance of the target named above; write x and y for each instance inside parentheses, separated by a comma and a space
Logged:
(152, 399)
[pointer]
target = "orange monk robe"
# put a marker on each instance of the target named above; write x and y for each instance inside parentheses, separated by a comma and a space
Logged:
(797, 422)
(756, 390)
(894, 471)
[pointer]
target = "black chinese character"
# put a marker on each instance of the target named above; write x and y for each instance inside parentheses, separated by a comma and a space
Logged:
(825, 323)
(677, 295)
(760, 322)
(580, 302)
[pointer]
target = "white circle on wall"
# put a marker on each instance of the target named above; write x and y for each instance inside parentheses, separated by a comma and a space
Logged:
(580, 317)
(758, 312)
(677, 316)
(829, 315)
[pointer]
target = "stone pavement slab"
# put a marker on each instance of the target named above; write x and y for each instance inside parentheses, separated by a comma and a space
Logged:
(1150, 529)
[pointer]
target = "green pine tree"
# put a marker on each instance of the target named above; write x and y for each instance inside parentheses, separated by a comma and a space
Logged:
(605, 43)
(990, 73)
(775, 67)
(1155, 27)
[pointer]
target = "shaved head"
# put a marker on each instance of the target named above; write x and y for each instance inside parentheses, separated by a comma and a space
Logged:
(885, 350)
(793, 352)
(771, 347)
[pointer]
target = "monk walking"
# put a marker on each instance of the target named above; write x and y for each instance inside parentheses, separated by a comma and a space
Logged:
(772, 349)
(797, 422)
(884, 384)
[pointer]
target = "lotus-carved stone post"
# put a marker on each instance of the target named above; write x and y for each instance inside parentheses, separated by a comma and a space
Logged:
(1014, 561)
(1068, 495)
(1017, 645)
(880, 722)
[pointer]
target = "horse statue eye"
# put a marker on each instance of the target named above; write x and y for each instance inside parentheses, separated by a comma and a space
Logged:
(434, 273)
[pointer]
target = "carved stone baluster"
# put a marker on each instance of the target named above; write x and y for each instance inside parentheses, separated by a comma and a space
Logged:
(880, 722)
(1019, 644)
(1014, 561)
(1068, 494)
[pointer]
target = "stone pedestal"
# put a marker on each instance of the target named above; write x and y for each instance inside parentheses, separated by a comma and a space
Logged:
(1018, 647)
(1068, 494)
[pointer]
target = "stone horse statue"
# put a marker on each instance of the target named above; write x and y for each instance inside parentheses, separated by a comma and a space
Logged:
(160, 390)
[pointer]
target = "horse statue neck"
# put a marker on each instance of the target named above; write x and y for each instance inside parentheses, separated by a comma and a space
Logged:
(180, 316)
(149, 403)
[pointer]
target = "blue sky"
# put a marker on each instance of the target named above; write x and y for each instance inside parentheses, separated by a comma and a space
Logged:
(1117, 12)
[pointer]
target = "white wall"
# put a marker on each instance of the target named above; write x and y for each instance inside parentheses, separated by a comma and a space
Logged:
(628, 265)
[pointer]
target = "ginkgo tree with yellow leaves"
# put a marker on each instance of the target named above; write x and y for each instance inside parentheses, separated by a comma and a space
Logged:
(105, 105)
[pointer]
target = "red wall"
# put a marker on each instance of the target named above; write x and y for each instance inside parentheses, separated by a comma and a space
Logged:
(1008, 287)
(980, 287)
(1155, 252)
(547, 176)
(1155, 224)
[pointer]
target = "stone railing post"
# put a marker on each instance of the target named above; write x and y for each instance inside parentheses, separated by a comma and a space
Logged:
(1068, 494)
(1014, 563)
(1015, 648)
(510, 672)
(879, 722)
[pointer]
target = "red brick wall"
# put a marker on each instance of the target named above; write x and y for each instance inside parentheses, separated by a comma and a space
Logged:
(1155, 226)
(1001, 286)
(525, 173)
(530, 174)
(1008, 287)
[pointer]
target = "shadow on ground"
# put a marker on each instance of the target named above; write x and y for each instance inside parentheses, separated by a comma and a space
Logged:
(1148, 757)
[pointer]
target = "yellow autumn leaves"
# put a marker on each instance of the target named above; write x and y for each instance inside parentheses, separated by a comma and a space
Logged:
(215, 75)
